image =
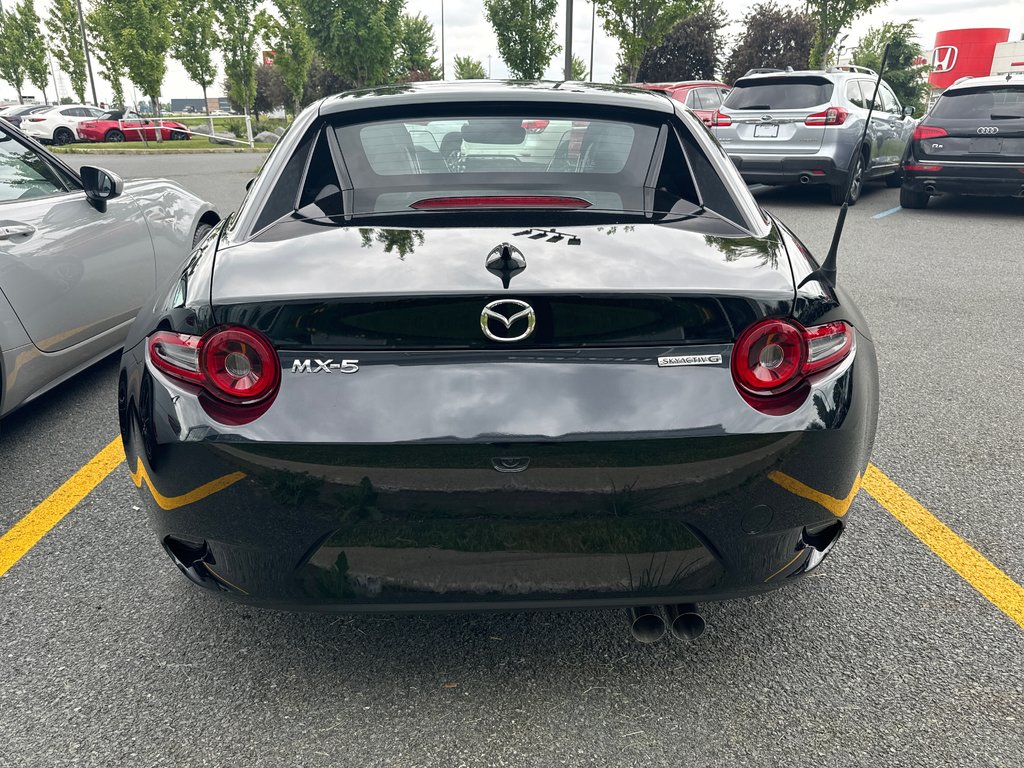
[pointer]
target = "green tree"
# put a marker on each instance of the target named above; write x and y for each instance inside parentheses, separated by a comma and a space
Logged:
(322, 82)
(139, 36)
(691, 51)
(640, 25)
(526, 34)
(238, 32)
(772, 37)
(66, 43)
(22, 48)
(102, 28)
(579, 68)
(907, 79)
(356, 39)
(468, 68)
(293, 50)
(416, 55)
(12, 63)
(832, 16)
(193, 40)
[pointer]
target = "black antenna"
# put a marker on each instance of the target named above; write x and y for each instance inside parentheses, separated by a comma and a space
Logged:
(826, 273)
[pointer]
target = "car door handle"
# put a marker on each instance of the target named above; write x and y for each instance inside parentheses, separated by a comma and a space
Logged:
(10, 231)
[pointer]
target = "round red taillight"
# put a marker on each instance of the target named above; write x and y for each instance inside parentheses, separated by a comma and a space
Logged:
(768, 357)
(239, 365)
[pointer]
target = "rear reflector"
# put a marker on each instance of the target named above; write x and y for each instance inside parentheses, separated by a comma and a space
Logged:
(511, 201)
(535, 126)
(928, 132)
(921, 168)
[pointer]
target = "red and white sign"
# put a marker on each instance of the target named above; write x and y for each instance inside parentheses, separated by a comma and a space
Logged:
(268, 58)
(944, 58)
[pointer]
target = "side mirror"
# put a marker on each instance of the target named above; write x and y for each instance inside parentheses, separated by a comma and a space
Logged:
(908, 111)
(100, 185)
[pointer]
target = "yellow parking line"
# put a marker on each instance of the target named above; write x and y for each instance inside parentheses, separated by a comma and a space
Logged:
(27, 532)
(994, 585)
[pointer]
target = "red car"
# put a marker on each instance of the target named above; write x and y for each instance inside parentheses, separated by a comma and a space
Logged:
(702, 96)
(130, 126)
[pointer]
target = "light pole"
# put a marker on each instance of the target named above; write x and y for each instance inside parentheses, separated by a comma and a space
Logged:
(488, 66)
(593, 24)
(442, 39)
(568, 39)
(88, 61)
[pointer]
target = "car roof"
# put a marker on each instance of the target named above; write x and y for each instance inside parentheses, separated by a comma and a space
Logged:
(680, 84)
(826, 74)
(468, 91)
(974, 82)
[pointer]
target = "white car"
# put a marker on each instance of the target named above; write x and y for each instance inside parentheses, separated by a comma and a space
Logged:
(58, 125)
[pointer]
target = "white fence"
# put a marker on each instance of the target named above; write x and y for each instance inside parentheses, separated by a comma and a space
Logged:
(139, 127)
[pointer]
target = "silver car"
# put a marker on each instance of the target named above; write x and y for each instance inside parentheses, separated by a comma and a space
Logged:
(785, 127)
(79, 253)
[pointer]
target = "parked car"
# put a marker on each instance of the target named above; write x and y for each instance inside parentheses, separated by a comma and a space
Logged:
(787, 127)
(15, 114)
(971, 142)
(595, 379)
(79, 253)
(58, 125)
(704, 97)
(118, 126)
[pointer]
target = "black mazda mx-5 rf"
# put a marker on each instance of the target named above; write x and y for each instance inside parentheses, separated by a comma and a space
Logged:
(498, 345)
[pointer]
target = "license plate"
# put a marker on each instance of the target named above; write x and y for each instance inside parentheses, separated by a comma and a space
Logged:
(766, 131)
(986, 146)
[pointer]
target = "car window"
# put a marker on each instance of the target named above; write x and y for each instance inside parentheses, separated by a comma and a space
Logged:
(854, 95)
(692, 100)
(24, 173)
(989, 103)
(94, 112)
(69, 112)
(710, 98)
(889, 101)
(779, 93)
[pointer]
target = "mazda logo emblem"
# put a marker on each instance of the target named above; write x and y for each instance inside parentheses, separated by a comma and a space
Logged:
(989, 129)
(503, 314)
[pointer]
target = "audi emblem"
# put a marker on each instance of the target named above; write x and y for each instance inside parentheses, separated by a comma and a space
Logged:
(989, 129)
(520, 310)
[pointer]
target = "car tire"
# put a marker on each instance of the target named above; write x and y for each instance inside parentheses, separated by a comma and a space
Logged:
(114, 135)
(910, 198)
(894, 180)
(178, 135)
(201, 231)
(63, 136)
(838, 191)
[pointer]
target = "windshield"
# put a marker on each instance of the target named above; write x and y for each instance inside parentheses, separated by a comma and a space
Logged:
(997, 103)
(397, 164)
(779, 93)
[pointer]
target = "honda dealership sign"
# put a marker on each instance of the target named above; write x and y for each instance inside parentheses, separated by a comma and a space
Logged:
(964, 53)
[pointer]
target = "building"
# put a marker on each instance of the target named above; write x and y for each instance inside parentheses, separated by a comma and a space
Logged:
(977, 52)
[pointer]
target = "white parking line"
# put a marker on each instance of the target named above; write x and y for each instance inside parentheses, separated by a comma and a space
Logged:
(883, 214)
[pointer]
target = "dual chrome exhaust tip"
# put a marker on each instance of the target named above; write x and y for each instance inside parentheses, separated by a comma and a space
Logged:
(649, 624)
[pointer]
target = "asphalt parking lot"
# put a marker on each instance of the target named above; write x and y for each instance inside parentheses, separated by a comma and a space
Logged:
(883, 657)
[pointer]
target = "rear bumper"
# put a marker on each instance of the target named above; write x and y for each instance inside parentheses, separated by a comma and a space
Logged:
(599, 520)
(776, 169)
(982, 179)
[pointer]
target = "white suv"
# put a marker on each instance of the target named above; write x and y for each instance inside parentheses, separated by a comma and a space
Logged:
(58, 124)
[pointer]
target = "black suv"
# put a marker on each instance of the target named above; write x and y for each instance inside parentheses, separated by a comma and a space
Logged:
(971, 142)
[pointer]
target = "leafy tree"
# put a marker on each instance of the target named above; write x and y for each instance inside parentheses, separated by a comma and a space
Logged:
(579, 68)
(772, 37)
(139, 35)
(193, 40)
(691, 51)
(356, 39)
(22, 48)
(831, 17)
(468, 68)
(640, 25)
(322, 82)
(907, 79)
(526, 34)
(293, 50)
(103, 33)
(66, 43)
(415, 58)
(238, 32)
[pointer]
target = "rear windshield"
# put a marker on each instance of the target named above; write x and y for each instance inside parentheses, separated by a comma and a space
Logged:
(779, 93)
(394, 164)
(997, 103)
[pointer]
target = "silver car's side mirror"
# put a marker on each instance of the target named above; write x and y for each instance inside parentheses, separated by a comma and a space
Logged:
(100, 186)
(908, 111)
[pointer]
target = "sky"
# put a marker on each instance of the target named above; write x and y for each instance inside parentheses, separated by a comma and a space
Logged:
(467, 33)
